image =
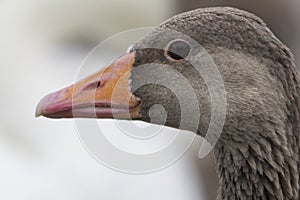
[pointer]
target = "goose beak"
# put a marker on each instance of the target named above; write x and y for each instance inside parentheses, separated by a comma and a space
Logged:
(104, 94)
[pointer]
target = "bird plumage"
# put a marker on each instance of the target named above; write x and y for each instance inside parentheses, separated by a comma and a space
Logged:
(257, 154)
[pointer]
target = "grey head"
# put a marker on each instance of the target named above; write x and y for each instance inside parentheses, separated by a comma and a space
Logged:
(258, 151)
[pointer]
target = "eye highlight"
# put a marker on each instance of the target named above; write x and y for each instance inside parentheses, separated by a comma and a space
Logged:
(177, 50)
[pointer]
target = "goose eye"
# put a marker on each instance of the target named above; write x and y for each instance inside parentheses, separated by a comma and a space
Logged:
(177, 50)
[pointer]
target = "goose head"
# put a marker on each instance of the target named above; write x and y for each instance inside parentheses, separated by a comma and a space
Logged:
(167, 76)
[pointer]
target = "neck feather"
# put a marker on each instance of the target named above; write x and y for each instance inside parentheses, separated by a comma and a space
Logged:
(257, 154)
(265, 168)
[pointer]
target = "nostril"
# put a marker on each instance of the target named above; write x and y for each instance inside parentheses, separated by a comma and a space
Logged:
(98, 84)
(94, 85)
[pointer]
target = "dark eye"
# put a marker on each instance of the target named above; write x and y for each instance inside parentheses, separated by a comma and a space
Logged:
(177, 50)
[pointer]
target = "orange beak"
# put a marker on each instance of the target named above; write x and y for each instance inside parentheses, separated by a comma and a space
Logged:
(104, 94)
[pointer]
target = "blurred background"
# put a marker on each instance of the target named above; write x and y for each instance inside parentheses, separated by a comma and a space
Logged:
(42, 46)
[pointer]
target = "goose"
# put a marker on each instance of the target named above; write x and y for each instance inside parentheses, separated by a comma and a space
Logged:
(257, 152)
